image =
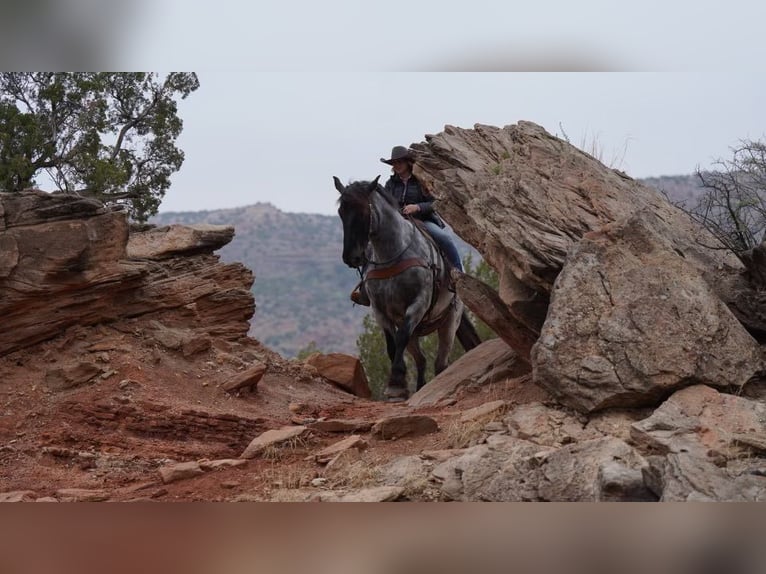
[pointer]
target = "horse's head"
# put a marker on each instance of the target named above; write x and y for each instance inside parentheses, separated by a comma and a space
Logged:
(355, 213)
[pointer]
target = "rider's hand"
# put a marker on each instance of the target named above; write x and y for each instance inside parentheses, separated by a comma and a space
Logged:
(410, 209)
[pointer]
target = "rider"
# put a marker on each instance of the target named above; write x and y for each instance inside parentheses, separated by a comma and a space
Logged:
(414, 201)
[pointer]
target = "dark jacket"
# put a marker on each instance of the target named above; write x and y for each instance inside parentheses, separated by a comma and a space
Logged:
(412, 192)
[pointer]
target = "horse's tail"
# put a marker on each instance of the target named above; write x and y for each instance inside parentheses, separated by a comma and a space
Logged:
(466, 333)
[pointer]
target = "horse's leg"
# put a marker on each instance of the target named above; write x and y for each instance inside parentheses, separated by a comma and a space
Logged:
(447, 337)
(390, 345)
(398, 381)
(420, 360)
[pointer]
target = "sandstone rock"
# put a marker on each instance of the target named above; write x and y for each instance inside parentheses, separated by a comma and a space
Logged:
(171, 240)
(326, 454)
(18, 496)
(485, 410)
(372, 494)
(180, 471)
(546, 426)
(682, 477)
(523, 198)
(73, 375)
(511, 323)
(341, 425)
(490, 362)
(272, 438)
(248, 378)
(63, 262)
(701, 422)
(404, 425)
(631, 320)
(620, 483)
(81, 495)
(207, 465)
(343, 370)
(187, 341)
(574, 472)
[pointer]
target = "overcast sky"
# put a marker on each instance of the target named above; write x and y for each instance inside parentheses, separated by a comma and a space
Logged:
(253, 136)
(296, 91)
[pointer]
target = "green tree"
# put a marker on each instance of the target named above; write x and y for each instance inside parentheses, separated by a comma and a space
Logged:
(372, 344)
(372, 353)
(110, 136)
(307, 351)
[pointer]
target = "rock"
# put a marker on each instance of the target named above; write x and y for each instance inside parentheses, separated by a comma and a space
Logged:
(490, 362)
(486, 410)
(682, 477)
(620, 483)
(81, 495)
(64, 263)
(338, 425)
(524, 198)
(249, 378)
(171, 240)
(326, 454)
(208, 465)
(546, 426)
(513, 324)
(343, 370)
(632, 319)
(18, 496)
(272, 438)
(573, 472)
(404, 426)
(701, 422)
(343, 459)
(180, 471)
(372, 494)
(71, 376)
(409, 472)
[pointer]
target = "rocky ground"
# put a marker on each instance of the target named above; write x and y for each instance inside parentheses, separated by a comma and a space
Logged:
(141, 424)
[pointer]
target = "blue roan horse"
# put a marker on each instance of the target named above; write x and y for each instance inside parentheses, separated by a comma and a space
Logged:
(406, 278)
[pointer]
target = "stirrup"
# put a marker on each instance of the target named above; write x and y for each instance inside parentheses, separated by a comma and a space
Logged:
(359, 296)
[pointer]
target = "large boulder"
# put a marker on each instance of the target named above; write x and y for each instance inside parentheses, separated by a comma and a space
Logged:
(632, 320)
(524, 198)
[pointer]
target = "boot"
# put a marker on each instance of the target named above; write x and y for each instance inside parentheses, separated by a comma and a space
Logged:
(359, 295)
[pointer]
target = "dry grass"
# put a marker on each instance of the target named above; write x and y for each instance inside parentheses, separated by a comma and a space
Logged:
(460, 434)
(353, 473)
(285, 477)
(293, 447)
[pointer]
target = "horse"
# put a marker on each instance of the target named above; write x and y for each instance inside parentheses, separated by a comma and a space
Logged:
(407, 281)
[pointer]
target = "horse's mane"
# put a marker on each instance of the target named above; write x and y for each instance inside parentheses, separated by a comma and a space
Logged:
(356, 195)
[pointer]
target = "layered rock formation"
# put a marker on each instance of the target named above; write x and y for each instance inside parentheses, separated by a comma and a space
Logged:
(69, 261)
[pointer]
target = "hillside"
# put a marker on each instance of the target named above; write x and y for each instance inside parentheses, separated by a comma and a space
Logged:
(301, 284)
(678, 188)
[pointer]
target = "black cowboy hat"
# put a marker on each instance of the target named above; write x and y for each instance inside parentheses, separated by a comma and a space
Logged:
(398, 152)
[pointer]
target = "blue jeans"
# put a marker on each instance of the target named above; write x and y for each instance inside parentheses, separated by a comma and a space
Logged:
(445, 243)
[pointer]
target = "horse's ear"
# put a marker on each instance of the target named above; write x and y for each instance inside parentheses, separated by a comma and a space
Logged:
(338, 185)
(373, 185)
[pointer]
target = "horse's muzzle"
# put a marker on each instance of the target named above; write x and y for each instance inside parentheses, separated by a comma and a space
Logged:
(353, 261)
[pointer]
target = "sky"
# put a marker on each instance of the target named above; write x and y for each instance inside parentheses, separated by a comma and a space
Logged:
(279, 137)
(294, 92)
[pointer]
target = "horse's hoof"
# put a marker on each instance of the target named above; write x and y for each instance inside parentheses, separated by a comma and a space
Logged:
(396, 394)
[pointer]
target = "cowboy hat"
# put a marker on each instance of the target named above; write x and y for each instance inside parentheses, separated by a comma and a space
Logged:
(398, 152)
